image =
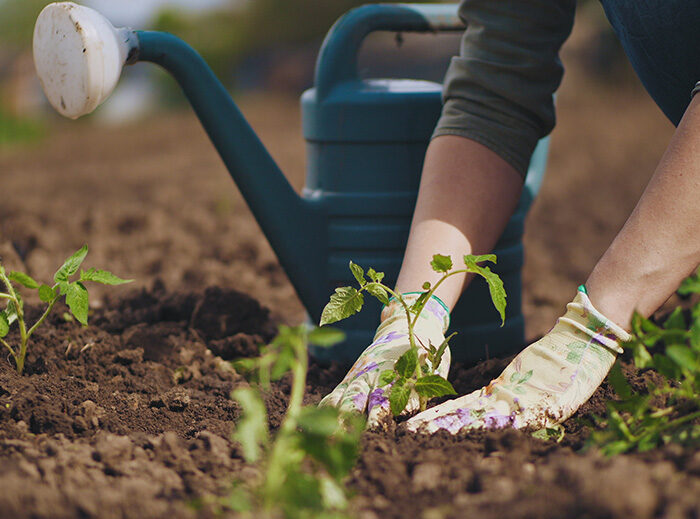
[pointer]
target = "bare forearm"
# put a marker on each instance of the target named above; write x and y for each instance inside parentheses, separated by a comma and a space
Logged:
(466, 197)
(659, 244)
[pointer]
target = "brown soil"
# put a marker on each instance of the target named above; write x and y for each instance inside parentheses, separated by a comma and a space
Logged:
(131, 417)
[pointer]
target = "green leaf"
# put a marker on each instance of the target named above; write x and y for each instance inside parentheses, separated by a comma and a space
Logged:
(473, 259)
(251, 430)
(619, 382)
(71, 265)
(690, 285)
(77, 301)
(675, 321)
(46, 293)
(102, 276)
(379, 292)
(375, 276)
(441, 263)
(683, 356)
(326, 336)
(398, 397)
(345, 302)
(433, 386)
(437, 358)
(642, 357)
(498, 293)
(419, 303)
(695, 335)
(359, 273)
(4, 325)
(666, 366)
(387, 377)
(23, 279)
(406, 364)
(525, 377)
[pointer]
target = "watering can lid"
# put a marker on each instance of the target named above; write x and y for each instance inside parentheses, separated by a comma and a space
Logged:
(373, 110)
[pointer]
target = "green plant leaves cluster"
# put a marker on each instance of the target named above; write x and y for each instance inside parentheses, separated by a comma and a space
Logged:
(667, 412)
(413, 372)
(306, 462)
(75, 292)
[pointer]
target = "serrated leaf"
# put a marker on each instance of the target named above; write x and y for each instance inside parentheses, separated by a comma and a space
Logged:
(496, 289)
(379, 292)
(23, 279)
(386, 377)
(251, 430)
(683, 356)
(375, 276)
(433, 386)
(102, 276)
(326, 336)
(398, 397)
(358, 273)
(441, 263)
(406, 364)
(71, 265)
(46, 293)
(4, 325)
(78, 302)
(345, 302)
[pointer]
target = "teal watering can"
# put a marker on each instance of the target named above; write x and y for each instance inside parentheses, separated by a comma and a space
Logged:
(365, 139)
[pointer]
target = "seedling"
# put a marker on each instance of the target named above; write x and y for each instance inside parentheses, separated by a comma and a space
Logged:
(304, 466)
(413, 372)
(75, 293)
(668, 412)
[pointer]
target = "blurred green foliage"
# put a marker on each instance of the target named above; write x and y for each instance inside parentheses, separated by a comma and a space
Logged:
(15, 130)
(17, 19)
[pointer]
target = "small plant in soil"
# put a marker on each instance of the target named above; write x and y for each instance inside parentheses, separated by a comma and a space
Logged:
(412, 371)
(668, 411)
(75, 293)
(303, 466)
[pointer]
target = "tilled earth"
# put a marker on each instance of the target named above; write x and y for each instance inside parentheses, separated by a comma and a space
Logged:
(131, 417)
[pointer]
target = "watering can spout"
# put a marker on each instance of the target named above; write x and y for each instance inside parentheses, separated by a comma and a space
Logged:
(92, 52)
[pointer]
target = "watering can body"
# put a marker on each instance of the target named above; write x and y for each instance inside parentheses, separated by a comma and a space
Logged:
(366, 140)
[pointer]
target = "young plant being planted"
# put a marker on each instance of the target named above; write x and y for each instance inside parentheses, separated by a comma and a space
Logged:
(414, 371)
(74, 291)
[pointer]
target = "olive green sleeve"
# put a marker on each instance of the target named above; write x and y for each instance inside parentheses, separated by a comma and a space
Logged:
(499, 91)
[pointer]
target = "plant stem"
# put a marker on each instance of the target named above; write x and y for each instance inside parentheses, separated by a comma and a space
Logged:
(12, 352)
(43, 317)
(19, 359)
(276, 472)
(5, 296)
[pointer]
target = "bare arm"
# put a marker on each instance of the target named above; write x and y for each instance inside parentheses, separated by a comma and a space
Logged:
(467, 195)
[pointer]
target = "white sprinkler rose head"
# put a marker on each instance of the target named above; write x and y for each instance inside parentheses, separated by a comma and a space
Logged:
(78, 56)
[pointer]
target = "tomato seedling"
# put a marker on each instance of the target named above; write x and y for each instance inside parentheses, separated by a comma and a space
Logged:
(413, 372)
(305, 463)
(75, 293)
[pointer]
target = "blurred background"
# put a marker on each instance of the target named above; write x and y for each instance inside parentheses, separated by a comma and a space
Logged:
(139, 181)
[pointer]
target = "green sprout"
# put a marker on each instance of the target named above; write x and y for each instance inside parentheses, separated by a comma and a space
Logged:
(75, 293)
(413, 372)
(667, 412)
(306, 462)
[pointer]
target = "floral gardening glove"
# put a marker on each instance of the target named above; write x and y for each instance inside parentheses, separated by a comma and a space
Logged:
(545, 384)
(359, 391)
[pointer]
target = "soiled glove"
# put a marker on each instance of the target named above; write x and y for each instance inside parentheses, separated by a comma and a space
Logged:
(359, 391)
(545, 384)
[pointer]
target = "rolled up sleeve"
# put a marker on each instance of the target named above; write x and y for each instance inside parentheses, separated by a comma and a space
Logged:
(499, 91)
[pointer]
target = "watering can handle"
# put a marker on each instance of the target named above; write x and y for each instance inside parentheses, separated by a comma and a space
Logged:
(337, 60)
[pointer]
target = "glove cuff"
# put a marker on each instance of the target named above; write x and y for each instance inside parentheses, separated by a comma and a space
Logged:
(582, 315)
